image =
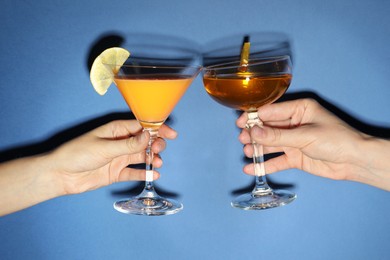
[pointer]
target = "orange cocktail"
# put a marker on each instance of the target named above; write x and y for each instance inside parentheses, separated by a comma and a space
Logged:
(152, 99)
(152, 80)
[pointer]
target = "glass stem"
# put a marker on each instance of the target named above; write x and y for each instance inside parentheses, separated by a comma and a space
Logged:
(261, 185)
(149, 191)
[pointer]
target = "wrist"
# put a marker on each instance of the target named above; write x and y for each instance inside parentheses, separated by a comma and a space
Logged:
(375, 162)
(38, 182)
(49, 184)
(26, 182)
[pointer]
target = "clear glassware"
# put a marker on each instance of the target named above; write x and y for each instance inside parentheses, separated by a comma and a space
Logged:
(152, 81)
(247, 87)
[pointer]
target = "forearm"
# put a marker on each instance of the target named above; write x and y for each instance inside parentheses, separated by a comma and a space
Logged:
(375, 159)
(25, 182)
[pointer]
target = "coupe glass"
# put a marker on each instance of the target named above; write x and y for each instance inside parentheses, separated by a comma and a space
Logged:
(152, 81)
(247, 87)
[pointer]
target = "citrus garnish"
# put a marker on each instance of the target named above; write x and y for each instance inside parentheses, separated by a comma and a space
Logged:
(104, 68)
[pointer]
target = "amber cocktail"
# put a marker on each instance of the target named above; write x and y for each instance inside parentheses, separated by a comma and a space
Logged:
(246, 87)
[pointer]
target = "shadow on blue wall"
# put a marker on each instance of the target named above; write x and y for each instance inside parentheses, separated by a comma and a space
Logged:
(61, 137)
(77, 130)
(373, 130)
(276, 43)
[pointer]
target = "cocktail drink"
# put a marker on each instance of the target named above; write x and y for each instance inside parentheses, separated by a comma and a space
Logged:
(151, 98)
(151, 93)
(151, 80)
(246, 91)
(247, 87)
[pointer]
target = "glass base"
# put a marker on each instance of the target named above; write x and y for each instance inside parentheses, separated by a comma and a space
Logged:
(148, 206)
(263, 200)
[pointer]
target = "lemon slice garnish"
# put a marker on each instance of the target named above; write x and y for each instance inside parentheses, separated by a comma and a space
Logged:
(104, 68)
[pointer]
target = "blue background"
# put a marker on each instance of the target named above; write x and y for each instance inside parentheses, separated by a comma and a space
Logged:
(342, 54)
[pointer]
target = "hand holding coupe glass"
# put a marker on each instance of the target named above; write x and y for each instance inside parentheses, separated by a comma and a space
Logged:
(153, 86)
(246, 85)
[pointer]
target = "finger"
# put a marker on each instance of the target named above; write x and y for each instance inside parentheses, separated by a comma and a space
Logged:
(276, 113)
(167, 132)
(277, 137)
(282, 111)
(277, 164)
(132, 145)
(271, 166)
(159, 145)
(241, 121)
(140, 158)
(248, 150)
(157, 161)
(272, 149)
(129, 174)
(288, 123)
(118, 129)
(244, 137)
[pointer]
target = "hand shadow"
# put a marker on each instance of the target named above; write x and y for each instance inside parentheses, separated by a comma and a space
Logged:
(373, 130)
(61, 137)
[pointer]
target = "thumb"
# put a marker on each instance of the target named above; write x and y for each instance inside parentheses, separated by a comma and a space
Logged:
(270, 136)
(134, 144)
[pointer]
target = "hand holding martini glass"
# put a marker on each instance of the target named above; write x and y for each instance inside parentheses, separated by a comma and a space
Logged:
(151, 88)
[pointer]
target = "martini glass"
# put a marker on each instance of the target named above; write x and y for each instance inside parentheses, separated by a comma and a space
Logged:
(151, 89)
(247, 87)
